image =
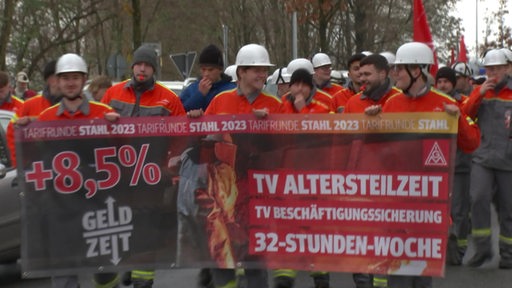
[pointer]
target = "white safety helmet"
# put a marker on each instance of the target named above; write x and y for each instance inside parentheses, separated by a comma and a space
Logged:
(462, 69)
(414, 53)
(299, 63)
(70, 63)
(280, 76)
(508, 54)
(231, 71)
(367, 53)
(495, 57)
(321, 59)
(389, 56)
(253, 55)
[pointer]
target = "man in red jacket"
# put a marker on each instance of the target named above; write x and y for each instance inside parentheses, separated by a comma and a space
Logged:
(142, 96)
(71, 72)
(7, 100)
(72, 75)
(35, 105)
(304, 97)
(411, 64)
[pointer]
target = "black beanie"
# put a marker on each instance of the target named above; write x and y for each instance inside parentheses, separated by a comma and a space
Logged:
(302, 76)
(49, 69)
(211, 55)
(448, 73)
(147, 55)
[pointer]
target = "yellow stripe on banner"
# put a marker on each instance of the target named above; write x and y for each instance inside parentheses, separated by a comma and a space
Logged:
(356, 123)
(424, 123)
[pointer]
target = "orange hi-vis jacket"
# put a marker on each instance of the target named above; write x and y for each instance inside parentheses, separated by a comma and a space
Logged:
(468, 136)
(331, 88)
(157, 101)
(87, 110)
(31, 108)
(319, 102)
(12, 103)
(341, 97)
(232, 102)
(359, 102)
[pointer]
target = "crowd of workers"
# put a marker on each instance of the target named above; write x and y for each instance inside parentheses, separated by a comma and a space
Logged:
(378, 83)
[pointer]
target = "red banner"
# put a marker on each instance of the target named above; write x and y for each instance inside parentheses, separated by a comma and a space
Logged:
(344, 192)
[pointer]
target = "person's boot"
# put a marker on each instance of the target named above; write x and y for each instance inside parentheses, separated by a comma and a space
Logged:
(453, 255)
(480, 257)
(505, 256)
(142, 283)
(283, 282)
(127, 278)
(321, 282)
(204, 279)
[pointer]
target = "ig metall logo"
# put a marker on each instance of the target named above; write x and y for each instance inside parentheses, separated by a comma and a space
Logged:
(108, 231)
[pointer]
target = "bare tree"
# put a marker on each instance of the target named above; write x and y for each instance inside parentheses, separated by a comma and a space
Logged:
(5, 31)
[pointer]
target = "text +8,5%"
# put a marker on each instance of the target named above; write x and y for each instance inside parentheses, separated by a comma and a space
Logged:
(68, 179)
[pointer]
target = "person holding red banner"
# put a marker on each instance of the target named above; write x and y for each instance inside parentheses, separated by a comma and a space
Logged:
(252, 62)
(142, 96)
(353, 86)
(491, 170)
(71, 72)
(446, 81)
(376, 82)
(412, 61)
(304, 98)
(378, 88)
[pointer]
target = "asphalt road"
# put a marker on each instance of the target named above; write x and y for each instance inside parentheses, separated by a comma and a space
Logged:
(486, 276)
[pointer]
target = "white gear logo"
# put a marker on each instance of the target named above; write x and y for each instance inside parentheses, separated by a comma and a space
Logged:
(436, 157)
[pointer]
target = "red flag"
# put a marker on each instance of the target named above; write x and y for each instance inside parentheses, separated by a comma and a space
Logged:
(463, 53)
(421, 30)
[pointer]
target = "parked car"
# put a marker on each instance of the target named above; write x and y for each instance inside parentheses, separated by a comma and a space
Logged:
(10, 208)
(178, 86)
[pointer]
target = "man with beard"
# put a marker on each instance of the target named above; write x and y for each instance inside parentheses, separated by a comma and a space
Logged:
(411, 65)
(71, 73)
(142, 96)
(374, 70)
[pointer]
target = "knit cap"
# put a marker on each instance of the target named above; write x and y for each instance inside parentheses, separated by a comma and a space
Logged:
(302, 76)
(211, 55)
(448, 73)
(147, 55)
(49, 69)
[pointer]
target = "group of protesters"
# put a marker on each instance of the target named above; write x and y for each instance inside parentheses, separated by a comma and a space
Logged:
(378, 83)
